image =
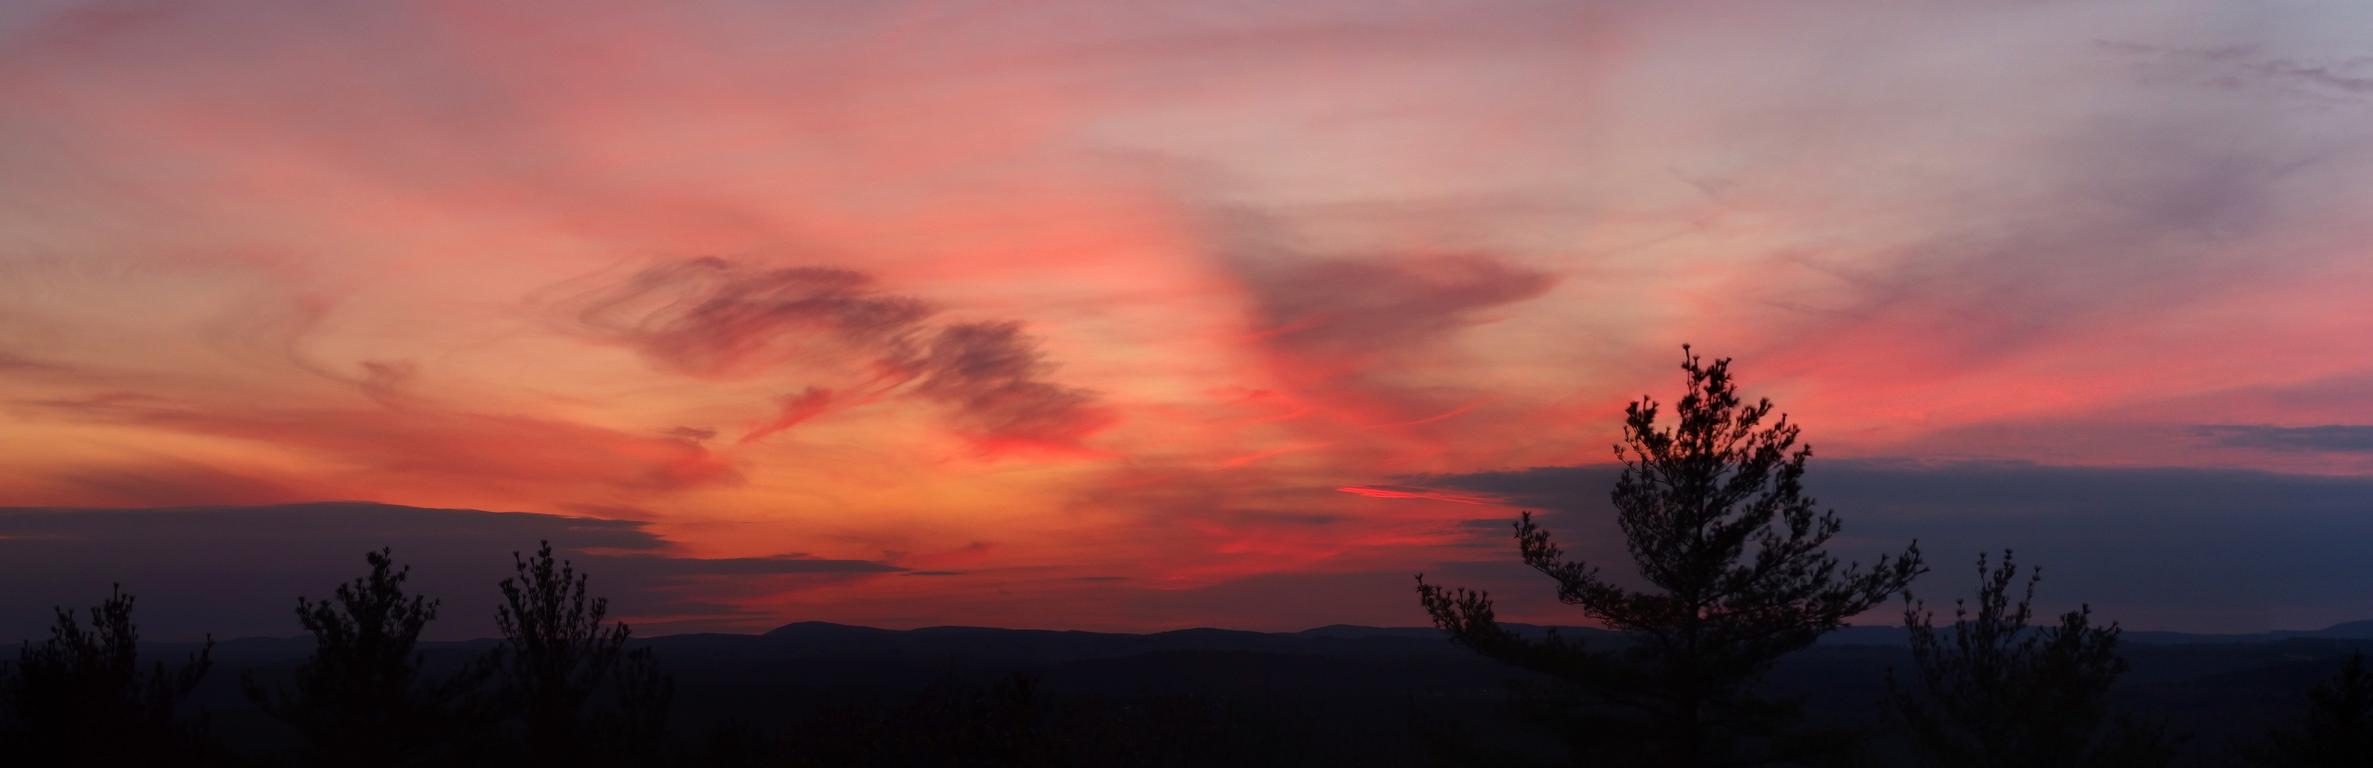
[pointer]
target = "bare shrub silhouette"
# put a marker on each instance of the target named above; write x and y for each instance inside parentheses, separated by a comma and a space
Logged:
(1714, 512)
(557, 658)
(1993, 691)
(80, 697)
(363, 699)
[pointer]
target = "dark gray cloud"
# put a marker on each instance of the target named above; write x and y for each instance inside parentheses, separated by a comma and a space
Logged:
(2187, 549)
(714, 317)
(719, 318)
(995, 379)
(236, 571)
(2327, 438)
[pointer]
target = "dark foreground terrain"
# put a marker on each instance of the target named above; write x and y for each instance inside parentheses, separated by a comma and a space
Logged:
(828, 694)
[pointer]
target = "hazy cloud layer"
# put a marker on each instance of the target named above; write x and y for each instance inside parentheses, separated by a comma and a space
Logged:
(2168, 548)
(237, 571)
(424, 443)
(2327, 438)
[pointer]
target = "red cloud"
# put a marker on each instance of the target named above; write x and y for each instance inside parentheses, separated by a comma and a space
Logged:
(414, 450)
(1406, 492)
(808, 404)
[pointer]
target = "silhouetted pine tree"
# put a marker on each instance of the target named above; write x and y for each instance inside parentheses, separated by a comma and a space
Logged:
(81, 698)
(1994, 692)
(363, 699)
(557, 656)
(1734, 553)
(2339, 727)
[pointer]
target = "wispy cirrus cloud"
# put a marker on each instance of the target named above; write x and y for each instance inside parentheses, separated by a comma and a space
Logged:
(2231, 66)
(996, 381)
(808, 404)
(712, 317)
(1361, 349)
(1340, 315)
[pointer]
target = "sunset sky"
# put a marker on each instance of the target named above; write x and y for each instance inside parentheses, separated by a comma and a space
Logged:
(1138, 316)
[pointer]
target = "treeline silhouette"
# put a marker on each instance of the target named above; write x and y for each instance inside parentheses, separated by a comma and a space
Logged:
(1736, 575)
(1733, 575)
(560, 687)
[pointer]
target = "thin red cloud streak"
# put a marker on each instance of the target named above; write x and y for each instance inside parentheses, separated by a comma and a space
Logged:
(1403, 492)
(796, 408)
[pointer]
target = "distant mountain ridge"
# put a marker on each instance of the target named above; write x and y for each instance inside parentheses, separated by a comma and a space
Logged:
(1338, 637)
(1055, 645)
(1359, 683)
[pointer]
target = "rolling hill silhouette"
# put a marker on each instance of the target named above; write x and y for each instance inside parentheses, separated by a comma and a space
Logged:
(1341, 686)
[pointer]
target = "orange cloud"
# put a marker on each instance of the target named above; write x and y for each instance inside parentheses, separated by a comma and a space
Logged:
(417, 452)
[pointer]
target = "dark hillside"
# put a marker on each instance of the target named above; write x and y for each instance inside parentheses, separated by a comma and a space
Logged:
(1376, 696)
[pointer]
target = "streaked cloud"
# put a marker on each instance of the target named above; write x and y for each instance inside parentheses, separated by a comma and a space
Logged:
(711, 317)
(1182, 296)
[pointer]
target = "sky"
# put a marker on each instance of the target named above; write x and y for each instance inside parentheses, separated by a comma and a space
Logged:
(1132, 316)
